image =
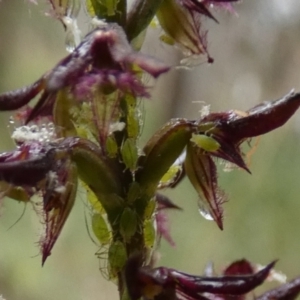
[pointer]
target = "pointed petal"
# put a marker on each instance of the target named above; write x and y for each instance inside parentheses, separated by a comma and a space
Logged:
(264, 117)
(202, 173)
(18, 98)
(16, 172)
(230, 152)
(224, 285)
(165, 203)
(182, 27)
(58, 202)
(288, 291)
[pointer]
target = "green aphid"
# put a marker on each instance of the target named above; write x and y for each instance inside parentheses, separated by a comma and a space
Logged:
(167, 39)
(111, 146)
(15, 193)
(134, 192)
(129, 153)
(149, 233)
(100, 229)
(205, 142)
(92, 199)
(150, 209)
(133, 122)
(111, 6)
(170, 176)
(128, 223)
(116, 257)
(102, 8)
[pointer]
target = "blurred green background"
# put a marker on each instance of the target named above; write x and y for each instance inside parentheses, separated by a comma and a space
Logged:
(257, 58)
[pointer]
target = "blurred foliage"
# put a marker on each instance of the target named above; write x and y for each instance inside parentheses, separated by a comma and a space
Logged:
(257, 58)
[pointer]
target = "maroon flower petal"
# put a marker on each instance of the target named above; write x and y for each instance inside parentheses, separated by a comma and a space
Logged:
(201, 171)
(165, 203)
(59, 198)
(232, 285)
(263, 118)
(232, 128)
(18, 98)
(16, 172)
(288, 291)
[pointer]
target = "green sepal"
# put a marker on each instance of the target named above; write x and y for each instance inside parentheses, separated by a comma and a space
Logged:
(179, 25)
(160, 153)
(97, 171)
(61, 114)
(140, 15)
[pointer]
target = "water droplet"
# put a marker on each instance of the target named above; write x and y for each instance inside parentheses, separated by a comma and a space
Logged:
(73, 35)
(70, 42)
(204, 211)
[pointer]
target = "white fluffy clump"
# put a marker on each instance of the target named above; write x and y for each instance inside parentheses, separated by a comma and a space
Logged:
(43, 133)
(117, 126)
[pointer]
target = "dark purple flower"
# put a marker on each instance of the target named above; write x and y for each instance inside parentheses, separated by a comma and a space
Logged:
(169, 284)
(103, 62)
(221, 135)
(181, 20)
(42, 169)
(232, 128)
